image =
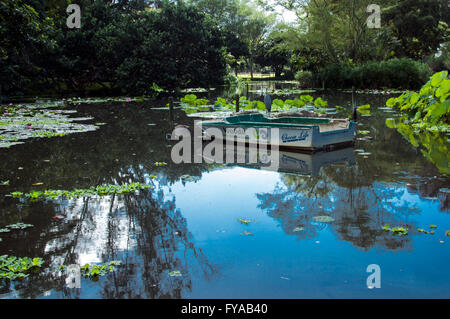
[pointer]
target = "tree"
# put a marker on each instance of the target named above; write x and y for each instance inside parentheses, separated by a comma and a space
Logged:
(23, 35)
(272, 53)
(134, 50)
(419, 25)
(229, 17)
(256, 28)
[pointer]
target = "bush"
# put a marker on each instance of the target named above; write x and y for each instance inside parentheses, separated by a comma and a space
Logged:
(440, 63)
(395, 73)
(305, 78)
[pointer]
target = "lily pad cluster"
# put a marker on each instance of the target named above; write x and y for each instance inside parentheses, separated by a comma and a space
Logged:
(375, 91)
(95, 271)
(79, 100)
(396, 230)
(8, 228)
(194, 90)
(432, 230)
(292, 91)
(13, 268)
(24, 121)
(191, 104)
(102, 190)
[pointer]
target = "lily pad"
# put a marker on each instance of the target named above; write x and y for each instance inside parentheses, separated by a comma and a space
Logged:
(323, 219)
(175, 273)
(160, 163)
(244, 221)
(19, 226)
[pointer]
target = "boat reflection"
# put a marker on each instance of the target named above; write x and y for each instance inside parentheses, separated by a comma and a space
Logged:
(290, 162)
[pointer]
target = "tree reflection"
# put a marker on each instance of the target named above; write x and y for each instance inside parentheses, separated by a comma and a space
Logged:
(145, 231)
(359, 210)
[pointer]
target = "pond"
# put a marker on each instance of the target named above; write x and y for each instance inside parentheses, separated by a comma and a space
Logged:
(309, 230)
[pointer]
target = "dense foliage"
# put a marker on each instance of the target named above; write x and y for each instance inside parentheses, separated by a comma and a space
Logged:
(426, 118)
(428, 109)
(328, 35)
(122, 48)
(141, 47)
(393, 73)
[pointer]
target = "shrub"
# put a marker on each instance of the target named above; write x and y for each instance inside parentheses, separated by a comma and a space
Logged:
(439, 63)
(305, 78)
(429, 108)
(395, 73)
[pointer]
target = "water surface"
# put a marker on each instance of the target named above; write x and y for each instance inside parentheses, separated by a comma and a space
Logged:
(188, 222)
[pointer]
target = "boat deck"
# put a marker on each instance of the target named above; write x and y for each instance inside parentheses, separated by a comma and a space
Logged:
(259, 120)
(334, 125)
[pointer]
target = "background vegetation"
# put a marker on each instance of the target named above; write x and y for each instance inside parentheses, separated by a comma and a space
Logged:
(142, 46)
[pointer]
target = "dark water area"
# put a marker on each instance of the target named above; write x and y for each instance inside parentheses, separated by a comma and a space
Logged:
(189, 221)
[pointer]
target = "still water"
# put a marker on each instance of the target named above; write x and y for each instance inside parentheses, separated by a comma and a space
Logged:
(189, 221)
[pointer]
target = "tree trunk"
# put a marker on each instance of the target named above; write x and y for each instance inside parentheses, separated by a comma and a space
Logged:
(251, 67)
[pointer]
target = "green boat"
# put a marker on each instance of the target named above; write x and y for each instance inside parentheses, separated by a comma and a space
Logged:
(289, 132)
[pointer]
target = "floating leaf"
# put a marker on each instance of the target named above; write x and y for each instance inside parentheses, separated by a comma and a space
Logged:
(175, 273)
(246, 233)
(323, 219)
(244, 221)
(19, 226)
(160, 163)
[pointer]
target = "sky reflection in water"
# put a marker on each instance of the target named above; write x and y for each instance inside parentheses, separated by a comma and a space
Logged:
(191, 225)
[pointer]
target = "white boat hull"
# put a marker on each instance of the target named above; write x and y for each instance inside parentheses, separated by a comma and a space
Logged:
(307, 138)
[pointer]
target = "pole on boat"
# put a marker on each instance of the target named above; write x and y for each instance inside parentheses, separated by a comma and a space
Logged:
(171, 109)
(355, 113)
(267, 102)
(237, 103)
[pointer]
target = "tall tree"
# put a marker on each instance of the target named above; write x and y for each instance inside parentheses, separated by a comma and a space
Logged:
(419, 25)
